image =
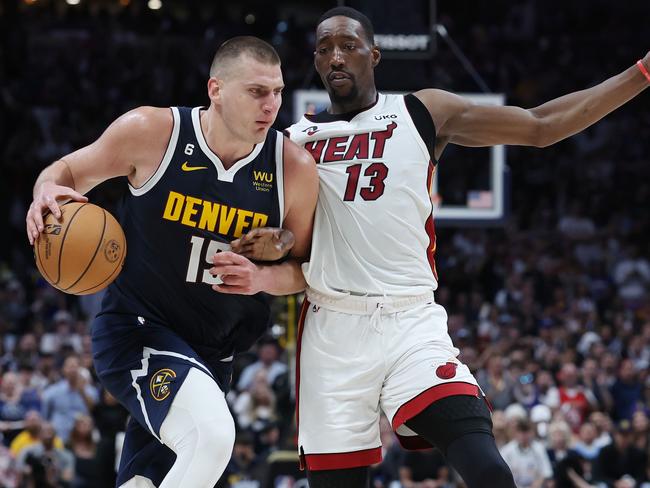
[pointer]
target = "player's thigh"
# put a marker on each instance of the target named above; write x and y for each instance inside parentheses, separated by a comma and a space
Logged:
(340, 373)
(423, 364)
(144, 366)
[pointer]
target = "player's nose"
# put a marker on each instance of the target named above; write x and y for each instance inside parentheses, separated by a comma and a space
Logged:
(338, 59)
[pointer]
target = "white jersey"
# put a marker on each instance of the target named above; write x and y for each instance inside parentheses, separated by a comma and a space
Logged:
(373, 230)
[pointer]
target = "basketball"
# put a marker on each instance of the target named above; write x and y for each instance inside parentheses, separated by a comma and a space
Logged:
(83, 252)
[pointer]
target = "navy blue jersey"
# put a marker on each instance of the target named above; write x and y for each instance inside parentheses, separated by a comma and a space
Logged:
(189, 209)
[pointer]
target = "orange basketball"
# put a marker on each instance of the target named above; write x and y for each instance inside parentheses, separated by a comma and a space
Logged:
(83, 252)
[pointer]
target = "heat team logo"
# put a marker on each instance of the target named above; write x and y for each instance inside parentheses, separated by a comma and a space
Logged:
(447, 371)
(160, 384)
(263, 181)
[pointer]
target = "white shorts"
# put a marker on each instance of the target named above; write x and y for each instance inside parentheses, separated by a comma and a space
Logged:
(358, 355)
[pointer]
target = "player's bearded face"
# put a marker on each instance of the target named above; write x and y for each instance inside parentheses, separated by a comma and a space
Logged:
(343, 58)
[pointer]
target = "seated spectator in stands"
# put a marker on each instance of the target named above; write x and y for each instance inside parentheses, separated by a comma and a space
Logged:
(527, 457)
(268, 351)
(31, 434)
(82, 444)
(596, 382)
(587, 446)
(626, 391)
(256, 404)
(621, 458)
(26, 352)
(110, 418)
(424, 469)
(496, 382)
(72, 395)
(572, 399)
(242, 468)
(44, 464)
(641, 428)
(15, 400)
(604, 427)
(559, 439)
(8, 473)
(61, 335)
(632, 276)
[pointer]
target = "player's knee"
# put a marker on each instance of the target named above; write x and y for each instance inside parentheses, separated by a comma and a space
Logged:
(498, 472)
(216, 438)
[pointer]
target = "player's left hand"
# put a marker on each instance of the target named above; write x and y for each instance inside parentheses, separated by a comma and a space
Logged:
(238, 273)
(264, 244)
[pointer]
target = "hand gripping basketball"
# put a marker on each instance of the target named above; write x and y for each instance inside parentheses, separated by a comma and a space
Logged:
(264, 244)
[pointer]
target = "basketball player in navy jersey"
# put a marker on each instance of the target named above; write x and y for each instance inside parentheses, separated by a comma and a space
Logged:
(199, 178)
(373, 337)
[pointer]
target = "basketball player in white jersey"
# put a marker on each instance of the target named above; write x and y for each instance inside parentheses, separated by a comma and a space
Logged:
(372, 337)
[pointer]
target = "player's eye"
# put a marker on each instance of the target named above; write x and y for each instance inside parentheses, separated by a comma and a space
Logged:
(350, 46)
(321, 50)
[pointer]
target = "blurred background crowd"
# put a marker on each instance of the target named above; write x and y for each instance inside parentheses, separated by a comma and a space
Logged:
(551, 310)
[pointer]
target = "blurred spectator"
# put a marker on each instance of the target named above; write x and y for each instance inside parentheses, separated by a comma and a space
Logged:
(572, 399)
(496, 382)
(424, 469)
(621, 458)
(586, 445)
(72, 395)
(8, 472)
(257, 405)
(268, 352)
(82, 444)
(44, 464)
(15, 400)
(242, 468)
(626, 391)
(527, 457)
(31, 434)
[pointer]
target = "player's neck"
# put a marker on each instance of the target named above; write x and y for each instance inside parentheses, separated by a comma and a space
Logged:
(221, 140)
(364, 100)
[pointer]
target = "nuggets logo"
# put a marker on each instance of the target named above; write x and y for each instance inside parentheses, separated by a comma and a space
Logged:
(160, 384)
(263, 181)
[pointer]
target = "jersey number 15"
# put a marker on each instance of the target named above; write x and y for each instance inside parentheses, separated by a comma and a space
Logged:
(197, 255)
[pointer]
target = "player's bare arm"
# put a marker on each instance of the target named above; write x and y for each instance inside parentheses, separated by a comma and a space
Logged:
(264, 243)
(133, 145)
(461, 122)
(242, 276)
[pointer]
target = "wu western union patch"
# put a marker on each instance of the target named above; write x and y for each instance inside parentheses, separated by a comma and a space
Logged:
(160, 384)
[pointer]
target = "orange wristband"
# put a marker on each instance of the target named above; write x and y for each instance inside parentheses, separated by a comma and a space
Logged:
(643, 70)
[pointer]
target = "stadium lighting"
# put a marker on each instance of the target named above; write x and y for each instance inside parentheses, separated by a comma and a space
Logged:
(250, 19)
(154, 4)
(73, 2)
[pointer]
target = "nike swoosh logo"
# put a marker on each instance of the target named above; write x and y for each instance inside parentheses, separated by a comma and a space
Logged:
(186, 167)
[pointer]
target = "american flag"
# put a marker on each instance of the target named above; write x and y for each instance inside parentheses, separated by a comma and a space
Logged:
(479, 199)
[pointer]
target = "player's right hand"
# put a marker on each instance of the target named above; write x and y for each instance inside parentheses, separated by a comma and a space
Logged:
(47, 198)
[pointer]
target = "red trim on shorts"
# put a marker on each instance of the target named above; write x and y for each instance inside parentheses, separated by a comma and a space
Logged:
(301, 323)
(343, 460)
(413, 442)
(415, 405)
(429, 227)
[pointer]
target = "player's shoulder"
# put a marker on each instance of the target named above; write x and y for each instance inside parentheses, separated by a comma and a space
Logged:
(296, 156)
(147, 119)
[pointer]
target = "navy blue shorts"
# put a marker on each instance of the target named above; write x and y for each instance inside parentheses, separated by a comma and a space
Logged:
(143, 364)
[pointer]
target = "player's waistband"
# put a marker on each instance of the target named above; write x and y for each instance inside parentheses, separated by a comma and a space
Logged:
(365, 305)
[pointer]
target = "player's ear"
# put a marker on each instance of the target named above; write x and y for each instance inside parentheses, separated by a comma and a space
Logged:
(376, 55)
(214, 88)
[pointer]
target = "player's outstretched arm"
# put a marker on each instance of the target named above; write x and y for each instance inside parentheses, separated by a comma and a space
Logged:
(242, 276)
(459, 121)
(131, 146)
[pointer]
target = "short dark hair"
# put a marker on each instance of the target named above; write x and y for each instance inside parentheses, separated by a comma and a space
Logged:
(251, 46)
(353, 14)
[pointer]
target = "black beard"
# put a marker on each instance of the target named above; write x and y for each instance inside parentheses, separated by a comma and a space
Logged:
(352, 95)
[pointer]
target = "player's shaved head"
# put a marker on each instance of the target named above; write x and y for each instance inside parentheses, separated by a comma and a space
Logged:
(231, 51)
(353, 14)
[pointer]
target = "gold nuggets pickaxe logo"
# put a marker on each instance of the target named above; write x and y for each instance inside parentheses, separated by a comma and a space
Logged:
(160, 384)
